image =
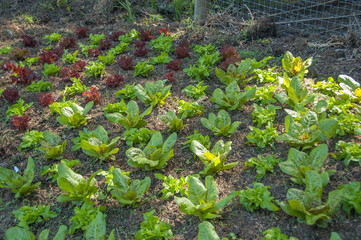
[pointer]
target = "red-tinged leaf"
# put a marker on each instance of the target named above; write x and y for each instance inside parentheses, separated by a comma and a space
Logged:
(141, 52)
(92, 95)
(140, 44)
(174, 65)
(126, 63)
(105, 43)
(165, 31)
(19, 123)
(82, 32)
(169, 76)
(68, 42)
(182, 52)
(79, 66)
(49, 56)
(227, 51)
(66, 74)
(146, 35)
(45, 99)
(94, 52)
(11, 95)
(184, 43)
(230, 60)
(24, 75)
(115, 35)
(7, 66)
(29, 41)
(114, 81)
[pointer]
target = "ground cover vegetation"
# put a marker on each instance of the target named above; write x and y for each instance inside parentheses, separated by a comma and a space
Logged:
(141, 133)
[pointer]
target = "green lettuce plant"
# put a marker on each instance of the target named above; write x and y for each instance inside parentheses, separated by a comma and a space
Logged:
(30, 139)
(53, 170)
(307, 205)
(39, 86)
(220, 124)
(351, 198)
(152, 228)
(204, 140)
(298, 163)
(75, 88)
(128, 92)
(94, 39)
(99, 145)
(295, 66)
(155, 155)
(264, 95)
(143, 69)
(68, 57)
(161, 44)
(172, 186)
(199, 72)
(207, 231)
(262, 164)
(202, 199)
(31, 61)
(50, 69)
(174, 123)
(163, 58)
(189, 109)
(133, 119)
(196, 92)
(54, 37)
(5, 50)
(17, 109)
(204, 49)
(275, 233)
(264, 115)
(51, 146)
(126, 191)
(262, 138)
(120, 107)
(107, 59)
(97, 229)
(74, 116)
(233, 98)
(257, 197)
(57, 106)
(152, 93)
(348, 151)
(20, 185)
(95, 69)
(27, 215)
(215, 160)
(74, 185)
(135, 136)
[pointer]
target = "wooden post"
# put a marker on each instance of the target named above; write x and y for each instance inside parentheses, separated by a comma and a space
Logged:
(201, 10)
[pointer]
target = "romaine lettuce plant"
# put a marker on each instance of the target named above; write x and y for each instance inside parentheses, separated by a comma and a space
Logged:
(152, 228)
(53, 170)
(20, 185)
(74, 116)
(127, 192)
(99, 145)
(298, 163)
(257, 197)
(220, 124)
(174, 123)
(153, 93)
(31, 139)
(202, 199)
(97, 229)
(262, 164)
(348, 151)
(163, 58)
(214, 160)
(51, 146)
(207, 231)
(262, 138)
(310, 130)
(155, 155)
(133, 119)
(307, 205)
(233, 98)
(74, 185)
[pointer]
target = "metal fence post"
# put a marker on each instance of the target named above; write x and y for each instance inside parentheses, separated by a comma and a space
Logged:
(201, 10)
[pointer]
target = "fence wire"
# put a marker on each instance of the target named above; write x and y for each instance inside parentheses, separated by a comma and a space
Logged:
(325, 17)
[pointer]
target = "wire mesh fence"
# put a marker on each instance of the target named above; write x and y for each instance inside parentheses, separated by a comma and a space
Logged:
(325, 17)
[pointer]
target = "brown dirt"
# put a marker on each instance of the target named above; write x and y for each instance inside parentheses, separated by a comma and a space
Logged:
(328, 62)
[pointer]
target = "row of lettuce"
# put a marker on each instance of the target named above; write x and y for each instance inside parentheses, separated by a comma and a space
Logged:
(330, 109)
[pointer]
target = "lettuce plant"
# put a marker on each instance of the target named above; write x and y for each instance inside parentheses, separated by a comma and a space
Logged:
(264, 95)
(84, 216)
(205, 49)
(348, 151)
(307, 205)
(31, 61)
(31, 139)
(77, 87)
(97, 229)
(107, 59)
(204, 140)
(51, 146)
(172, 186)
(215, 160)
(295, 66)
(207, 231)
(95, 69)
(161, 44)
(329, 87)
(298, 163)
(189, 109)
(143, 69)
(155, 155)
(196, 92)
(120, 107)
(99, 145)
(262, 138)
(198, 72)
(202, 199)
(153, 93)
(174, 123)
(351, 198)
(135, 136)
(233, 98)
(264, 115)
(94, 39)
(54, 37)
(27, 215)
(163, 58)
(126, 191)
(57, 106)
(74, 185)
(23, 233)
(310, 130)
(70, 58)
(128, 92)
(220, 124)
(20, 185)
(53, 170)
(133, 119)
(275, 233)
(152, 228)
(74, 116)
(39, 86)
(257, 197)
(50, 69)
(17, 109)
(262, 164)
